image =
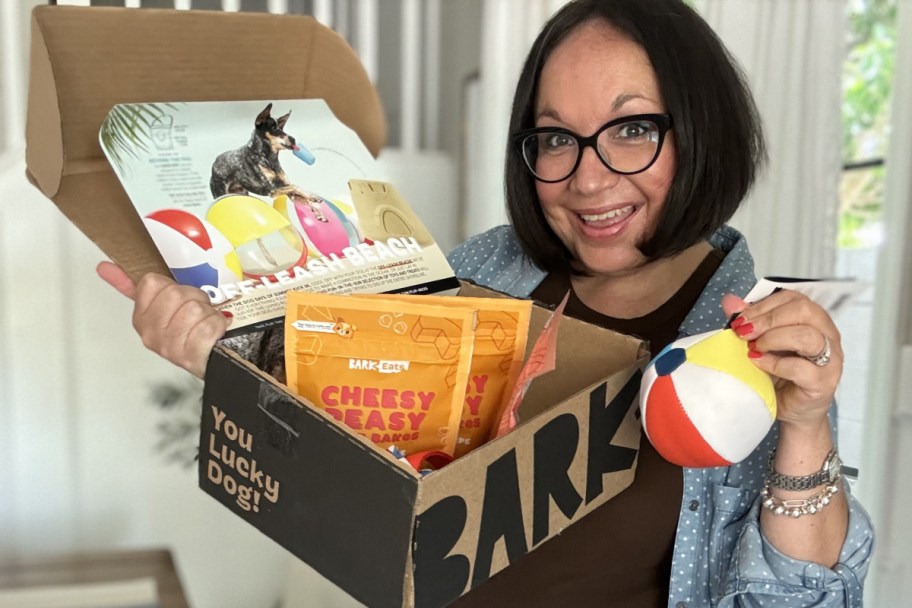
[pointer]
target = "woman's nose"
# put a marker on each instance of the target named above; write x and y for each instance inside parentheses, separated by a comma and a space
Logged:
(592, 175)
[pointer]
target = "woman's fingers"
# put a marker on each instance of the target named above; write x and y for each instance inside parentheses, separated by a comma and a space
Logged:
(116, 277)
(782, 309)
(784, 332)
(804, 341)
(175, 321)
(732, 304)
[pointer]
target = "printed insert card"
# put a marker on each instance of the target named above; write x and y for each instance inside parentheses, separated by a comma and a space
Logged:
(247, 200)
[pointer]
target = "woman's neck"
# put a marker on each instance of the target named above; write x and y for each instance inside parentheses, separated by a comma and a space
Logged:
(643, 290)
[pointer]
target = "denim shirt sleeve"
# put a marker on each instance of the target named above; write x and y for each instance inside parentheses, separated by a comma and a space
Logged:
(736, 566)
(759, 572)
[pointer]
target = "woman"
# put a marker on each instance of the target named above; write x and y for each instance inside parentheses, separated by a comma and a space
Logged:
(633, 139)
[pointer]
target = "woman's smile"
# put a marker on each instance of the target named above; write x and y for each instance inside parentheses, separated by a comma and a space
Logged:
(607, 222)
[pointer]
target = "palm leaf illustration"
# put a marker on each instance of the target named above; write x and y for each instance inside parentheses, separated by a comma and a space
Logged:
(128, 128)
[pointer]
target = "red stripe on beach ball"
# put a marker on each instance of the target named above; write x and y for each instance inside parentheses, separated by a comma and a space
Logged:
(671, 431)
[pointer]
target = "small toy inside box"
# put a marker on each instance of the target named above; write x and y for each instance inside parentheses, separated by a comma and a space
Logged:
(386, 535)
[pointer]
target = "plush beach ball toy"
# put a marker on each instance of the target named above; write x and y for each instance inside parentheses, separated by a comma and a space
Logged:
(703, 403)
(194, 250)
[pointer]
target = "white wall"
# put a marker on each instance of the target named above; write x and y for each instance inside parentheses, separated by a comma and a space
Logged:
(78, 430)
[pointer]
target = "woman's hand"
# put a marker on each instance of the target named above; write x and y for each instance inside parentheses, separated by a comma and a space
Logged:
(784, 331)
(176, 321)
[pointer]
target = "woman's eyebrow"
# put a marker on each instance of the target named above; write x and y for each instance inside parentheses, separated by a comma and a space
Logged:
(623, 98)
(549, 113)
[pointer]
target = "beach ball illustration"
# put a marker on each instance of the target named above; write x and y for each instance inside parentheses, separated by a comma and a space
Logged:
(194, 250)
(343, 212)
(703, 403)
(316, 219)
(265, 241)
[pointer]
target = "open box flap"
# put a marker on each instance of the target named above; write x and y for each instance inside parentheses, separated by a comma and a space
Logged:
(84, 60)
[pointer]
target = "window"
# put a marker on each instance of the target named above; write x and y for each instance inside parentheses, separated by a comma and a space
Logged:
(867, 85)
(867, 88)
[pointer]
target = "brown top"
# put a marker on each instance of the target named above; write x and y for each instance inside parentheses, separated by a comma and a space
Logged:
(620, 554)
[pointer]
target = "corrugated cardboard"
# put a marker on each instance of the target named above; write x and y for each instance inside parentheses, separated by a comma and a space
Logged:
(85, 60)
(363, 519)
(376, 528)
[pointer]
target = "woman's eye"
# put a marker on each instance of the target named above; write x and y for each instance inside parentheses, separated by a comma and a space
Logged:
(635, 130)
(556, 141)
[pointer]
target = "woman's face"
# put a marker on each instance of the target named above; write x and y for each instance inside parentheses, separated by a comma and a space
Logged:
(595, 75)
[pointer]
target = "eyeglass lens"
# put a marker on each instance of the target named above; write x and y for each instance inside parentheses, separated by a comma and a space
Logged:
(628, 147)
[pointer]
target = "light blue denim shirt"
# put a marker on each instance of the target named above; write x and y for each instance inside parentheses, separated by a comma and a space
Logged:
(721, 557)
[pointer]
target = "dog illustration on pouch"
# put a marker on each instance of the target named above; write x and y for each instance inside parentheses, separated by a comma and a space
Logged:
(255, 167)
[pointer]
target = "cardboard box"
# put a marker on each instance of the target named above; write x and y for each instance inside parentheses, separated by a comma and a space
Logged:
(391, 538)
(362, 518)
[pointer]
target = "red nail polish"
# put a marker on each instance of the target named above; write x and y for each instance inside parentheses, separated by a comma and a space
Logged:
(754, 354)
(227, 314)
(737, 322)
(745, 329)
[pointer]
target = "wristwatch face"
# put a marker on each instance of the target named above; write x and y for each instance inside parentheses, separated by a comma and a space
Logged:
(833, 467)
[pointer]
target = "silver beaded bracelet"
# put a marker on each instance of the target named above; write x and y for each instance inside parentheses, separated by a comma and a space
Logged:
(797, 508)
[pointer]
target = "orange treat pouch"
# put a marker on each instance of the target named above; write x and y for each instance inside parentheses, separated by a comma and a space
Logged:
(499, 347)
(397, 378)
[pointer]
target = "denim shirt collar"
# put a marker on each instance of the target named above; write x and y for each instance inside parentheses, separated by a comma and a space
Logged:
(735, 275)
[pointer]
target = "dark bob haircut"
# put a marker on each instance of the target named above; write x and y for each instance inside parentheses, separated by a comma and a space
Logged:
(718, 137)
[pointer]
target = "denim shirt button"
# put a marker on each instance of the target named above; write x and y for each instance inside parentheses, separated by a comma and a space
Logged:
(682, 604)
(693, 506)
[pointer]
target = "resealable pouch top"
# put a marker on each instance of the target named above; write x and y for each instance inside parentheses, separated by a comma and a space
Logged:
(500, 337)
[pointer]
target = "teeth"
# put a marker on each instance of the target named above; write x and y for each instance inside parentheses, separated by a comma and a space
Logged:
(616, 213)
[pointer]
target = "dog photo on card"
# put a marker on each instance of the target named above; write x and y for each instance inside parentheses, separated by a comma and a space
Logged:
(247, 200)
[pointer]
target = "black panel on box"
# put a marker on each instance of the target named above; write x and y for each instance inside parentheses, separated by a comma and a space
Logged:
(341, 507)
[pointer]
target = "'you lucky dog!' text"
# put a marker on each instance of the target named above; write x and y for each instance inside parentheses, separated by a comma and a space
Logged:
(234, 470)
(353, 257)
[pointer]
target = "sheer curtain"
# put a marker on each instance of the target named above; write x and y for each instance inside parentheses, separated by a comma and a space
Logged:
(508, 29)
(792, 54)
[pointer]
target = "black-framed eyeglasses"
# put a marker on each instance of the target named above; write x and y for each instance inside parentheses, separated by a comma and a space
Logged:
(626, 145)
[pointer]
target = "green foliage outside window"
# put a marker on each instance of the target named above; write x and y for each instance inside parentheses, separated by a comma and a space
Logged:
(867, 86)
